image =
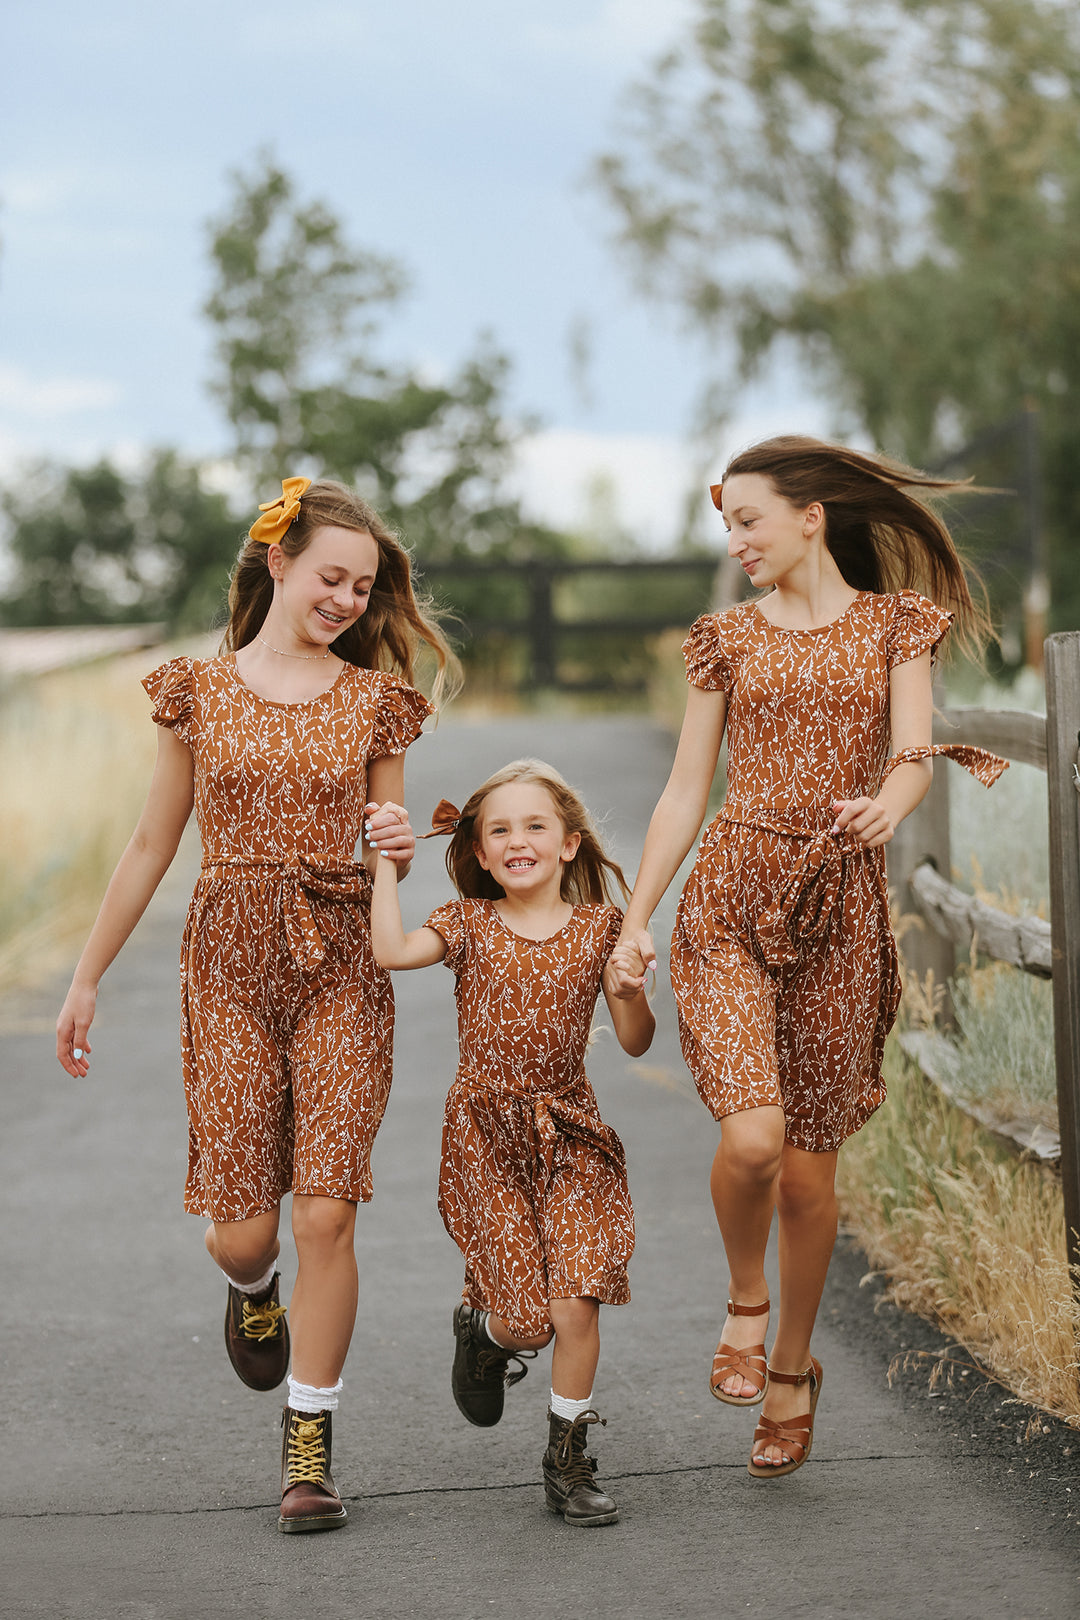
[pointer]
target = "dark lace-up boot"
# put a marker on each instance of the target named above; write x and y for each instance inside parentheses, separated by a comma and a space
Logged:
(481, 1373)
(257, 1337)
(309, 1498)
(570, 1486)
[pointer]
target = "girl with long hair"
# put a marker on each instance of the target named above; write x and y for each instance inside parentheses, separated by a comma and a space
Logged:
(532, 1185)
(287, 1019)
(783, 962)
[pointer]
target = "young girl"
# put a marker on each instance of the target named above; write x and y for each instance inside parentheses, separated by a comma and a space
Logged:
(782, 962)
(287, 1021)
(532, 1186)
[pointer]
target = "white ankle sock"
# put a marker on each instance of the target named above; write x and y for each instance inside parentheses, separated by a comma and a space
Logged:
(561, 1407)
(310, 1398)
(258, 1287)
(485, 1323)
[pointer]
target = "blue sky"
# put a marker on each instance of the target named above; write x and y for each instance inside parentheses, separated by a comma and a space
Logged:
(456, 138)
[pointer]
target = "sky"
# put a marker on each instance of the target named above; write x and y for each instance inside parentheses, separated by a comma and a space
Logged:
(455, 138)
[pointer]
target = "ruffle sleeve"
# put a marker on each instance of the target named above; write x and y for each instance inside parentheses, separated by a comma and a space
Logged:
(613, 919)
(449, 921)
(400, 716)
(172, 690)
(917, 625)
(707, 662)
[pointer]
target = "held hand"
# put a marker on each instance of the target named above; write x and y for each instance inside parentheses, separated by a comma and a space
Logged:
(627, 971)
(866, 818)
(72, 1029)
(387, 829)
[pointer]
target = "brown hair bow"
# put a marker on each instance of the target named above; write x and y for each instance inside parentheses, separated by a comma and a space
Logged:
(444, 819)
(280, 513)
(716, 491)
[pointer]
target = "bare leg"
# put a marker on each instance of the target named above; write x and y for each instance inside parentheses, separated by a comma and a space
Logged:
(323, 1306)
(744, 1183)
(245, 1250)
(577, 1347)
(806, 1203)
(509, 1341)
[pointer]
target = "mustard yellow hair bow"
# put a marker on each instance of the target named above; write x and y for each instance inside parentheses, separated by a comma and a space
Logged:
(280, 513)
(444, 819)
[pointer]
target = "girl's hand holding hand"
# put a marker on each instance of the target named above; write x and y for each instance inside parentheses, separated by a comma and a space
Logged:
(628, 971)
(868, 819)
(387, 829)
(72, 1029)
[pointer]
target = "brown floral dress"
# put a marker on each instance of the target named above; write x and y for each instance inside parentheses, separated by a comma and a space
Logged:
(783, 962)
(532, 1186)
(286, 1018)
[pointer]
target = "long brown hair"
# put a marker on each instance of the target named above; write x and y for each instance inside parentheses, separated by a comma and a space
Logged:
(881, 537)
(389, 634)
(586, 880)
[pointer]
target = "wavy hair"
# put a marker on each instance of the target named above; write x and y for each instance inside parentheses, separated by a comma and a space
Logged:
(587, 880)
(881, 536)
(396, 623)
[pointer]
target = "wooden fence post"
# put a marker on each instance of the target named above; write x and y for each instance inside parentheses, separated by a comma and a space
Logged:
(924, 836)
(1062, 726)
(543, 671)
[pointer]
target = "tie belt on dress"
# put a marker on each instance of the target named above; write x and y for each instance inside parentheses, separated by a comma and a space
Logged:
(812, 886)
(340, 880)
(550, 1115)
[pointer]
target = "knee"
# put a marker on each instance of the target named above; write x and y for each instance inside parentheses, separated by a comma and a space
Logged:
(242, 1249)
(804, 1197)
(323, 1223)
(750, 1150)
(575, 1318)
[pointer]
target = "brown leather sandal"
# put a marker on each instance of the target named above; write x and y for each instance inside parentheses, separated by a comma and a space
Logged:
(749, 1364)
(795, 1436)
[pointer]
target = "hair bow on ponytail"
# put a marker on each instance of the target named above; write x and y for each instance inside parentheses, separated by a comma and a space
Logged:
(280, 513)
(716, 491)
(444, 819)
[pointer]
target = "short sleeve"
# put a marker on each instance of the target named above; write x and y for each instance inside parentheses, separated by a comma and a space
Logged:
(916, 625)
(401, 714)
(449, 921)
(707, 664)
(614, 920)
(172, 690)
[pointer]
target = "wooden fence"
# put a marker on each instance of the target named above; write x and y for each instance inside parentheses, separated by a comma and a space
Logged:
(545, 629)
(919, 863)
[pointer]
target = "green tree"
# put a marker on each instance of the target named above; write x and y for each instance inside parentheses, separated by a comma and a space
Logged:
(299, 315)
(93, 546)
(893, 187)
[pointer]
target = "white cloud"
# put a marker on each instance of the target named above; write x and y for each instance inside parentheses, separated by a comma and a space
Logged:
(50, 397)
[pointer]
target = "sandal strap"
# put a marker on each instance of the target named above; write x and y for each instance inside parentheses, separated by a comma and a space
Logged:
(791, 1378)
(747, 1310)
(749, 1364)
(790, 1436)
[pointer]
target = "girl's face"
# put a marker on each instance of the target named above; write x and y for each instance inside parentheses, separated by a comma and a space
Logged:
(522, 842)
(327, 587)
(766, 534)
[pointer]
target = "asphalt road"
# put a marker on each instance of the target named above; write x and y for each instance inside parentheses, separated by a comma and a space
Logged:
(139, 1476)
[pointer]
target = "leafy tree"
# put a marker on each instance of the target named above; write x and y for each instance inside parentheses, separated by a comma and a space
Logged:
(92, 546)
(298, 312)
(893, 187)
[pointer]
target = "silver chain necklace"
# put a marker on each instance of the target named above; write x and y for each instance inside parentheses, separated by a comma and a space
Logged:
(311, 657)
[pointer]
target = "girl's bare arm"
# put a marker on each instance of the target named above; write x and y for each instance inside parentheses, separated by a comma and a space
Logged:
(911, 717)
(386, 829)
(677, 819)
(138, 873)
(393, 947)
(631, 1014)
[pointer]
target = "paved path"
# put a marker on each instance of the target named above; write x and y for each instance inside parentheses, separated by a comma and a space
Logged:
(138, 1475)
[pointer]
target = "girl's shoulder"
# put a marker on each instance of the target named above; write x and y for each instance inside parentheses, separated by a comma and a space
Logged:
(714, 644)
(399, 709)
(909, 624)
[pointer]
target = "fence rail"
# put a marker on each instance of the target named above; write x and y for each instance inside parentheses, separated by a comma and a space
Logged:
(919, 861)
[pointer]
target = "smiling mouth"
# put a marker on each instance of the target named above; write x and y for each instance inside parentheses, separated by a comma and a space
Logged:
(331, 618)
(520, 865)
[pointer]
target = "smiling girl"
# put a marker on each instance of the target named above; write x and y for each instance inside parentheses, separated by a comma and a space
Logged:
(782, 961)
(533, 1183)
(287, 1020)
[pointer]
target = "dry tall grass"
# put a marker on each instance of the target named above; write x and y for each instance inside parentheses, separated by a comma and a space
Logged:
(969, 1237)
(76, 753)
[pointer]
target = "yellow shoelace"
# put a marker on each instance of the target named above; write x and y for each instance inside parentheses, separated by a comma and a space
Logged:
(261, 1321)
(306, 1451)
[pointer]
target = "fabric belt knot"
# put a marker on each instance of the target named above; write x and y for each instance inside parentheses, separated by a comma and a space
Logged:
(805, 903)
(330, 883)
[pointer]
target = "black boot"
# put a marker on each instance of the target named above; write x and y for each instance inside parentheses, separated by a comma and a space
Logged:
(480, 1376)
(570, 1473)
(309, 1497)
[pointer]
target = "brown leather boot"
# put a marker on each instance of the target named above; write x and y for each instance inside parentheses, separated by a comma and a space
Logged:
(570, 1486)
(481, 1372)
(309, 1498)
(257, 1337)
